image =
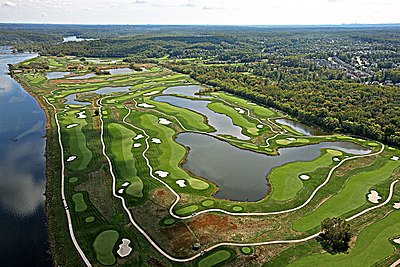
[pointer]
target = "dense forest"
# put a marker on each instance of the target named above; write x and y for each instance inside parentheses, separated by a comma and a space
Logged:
(340, 78)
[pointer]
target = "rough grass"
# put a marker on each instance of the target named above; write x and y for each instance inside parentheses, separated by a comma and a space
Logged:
(351, 197)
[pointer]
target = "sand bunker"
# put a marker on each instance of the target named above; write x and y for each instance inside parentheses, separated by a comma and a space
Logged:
(145, 105)
(249, 103)
(72, 125)
(121, 191)
(241, 111)
(139, 136)
(164, 121)
(396, 205)
(125, 184)
(156, 141)
(336, 159)
(304, 177)
(395, 158)
(124, 249)
(71, 158)
(181, 183)
(397, 240)
(151, 93)
(291, 139)
(81, 115)
(137, 145)
(374, 197)
(162, 174)
(260, 126)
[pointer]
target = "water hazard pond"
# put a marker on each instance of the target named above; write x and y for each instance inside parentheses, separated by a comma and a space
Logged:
(240, 174)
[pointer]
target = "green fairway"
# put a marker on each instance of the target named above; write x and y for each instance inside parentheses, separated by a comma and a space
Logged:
(167, 155)
(372, 246)
(103, 246)
(79, 202)
(285, 180)
(187, 210)
(121, 150)
(351, 197)
(237, 118)
(215, 258)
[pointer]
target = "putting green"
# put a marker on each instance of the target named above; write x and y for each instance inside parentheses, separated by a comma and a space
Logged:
(103, 246)
(283, 142)
(372, 246)
(237, 208)
(335, 153)
(187, 210)
(237, 118)
(285, 179)
(349, 198)
(89, 219)
(79, 202)
(215, 258)
(246, 250)
(207, 203)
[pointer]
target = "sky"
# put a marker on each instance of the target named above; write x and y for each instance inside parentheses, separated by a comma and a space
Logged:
(211, 12)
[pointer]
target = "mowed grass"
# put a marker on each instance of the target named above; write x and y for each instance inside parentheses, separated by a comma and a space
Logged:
(169, 154)
(238, 119)
(372, 246)
(121, 150)
(285, 180)
(76, 141)
(215, 258)
(79, 202)
(187, 210)
(351, 197)
(103, 246)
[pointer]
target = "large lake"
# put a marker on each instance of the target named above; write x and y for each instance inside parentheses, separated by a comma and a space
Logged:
(23, 228)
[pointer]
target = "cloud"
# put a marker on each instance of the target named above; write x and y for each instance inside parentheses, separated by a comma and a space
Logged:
(8, 3)
(139, 2)
(211, 8)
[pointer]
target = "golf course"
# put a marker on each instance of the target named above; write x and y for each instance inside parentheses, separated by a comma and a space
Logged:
(148, 167)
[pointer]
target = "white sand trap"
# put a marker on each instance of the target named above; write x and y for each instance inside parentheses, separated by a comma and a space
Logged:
(249, 103)
(181, 183)
(162, 174)
(121, 191)
(81, 115)
(151, 93)
(241, 111)
(336, 159)
(291, 139)
(156, 141)
(145, 105)
(397, 240)
(304, 177)
(139, 136)
(124, 249)
(396, 205)
(395, 158)
(71, 158)
(72, 125)
(164, 121)
(374, 197)
(260, 126)
(137, 145)
(125, 184)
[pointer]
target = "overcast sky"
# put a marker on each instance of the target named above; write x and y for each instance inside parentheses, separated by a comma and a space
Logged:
(237, 12)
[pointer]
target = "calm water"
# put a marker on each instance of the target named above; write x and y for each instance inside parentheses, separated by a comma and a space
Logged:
(187, 90)
(86, 76)
(101, 91)
(57, 74)
(240, 174)
(23, 228)
(76, 39)
(121, 71)
(222, 123)
(300, 127)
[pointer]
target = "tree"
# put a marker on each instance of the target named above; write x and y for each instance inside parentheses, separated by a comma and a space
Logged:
(335, 235)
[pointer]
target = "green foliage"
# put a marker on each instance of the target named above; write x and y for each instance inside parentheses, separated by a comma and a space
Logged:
(335, 235)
